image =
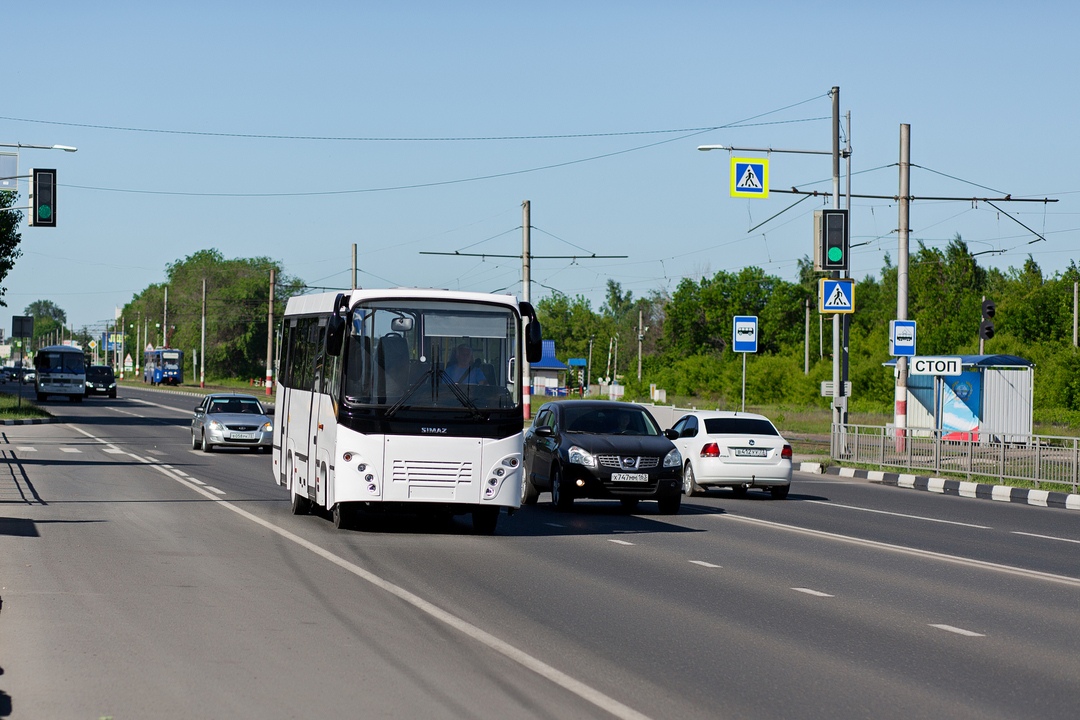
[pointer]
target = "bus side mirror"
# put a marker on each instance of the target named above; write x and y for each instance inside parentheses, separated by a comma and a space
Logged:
(335, 327)
(534, 341)
(534, 337)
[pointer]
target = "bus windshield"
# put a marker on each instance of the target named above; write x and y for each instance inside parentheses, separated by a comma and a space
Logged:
(407, 355)
(52, 361)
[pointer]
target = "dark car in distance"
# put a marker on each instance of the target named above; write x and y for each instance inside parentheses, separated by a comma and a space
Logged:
(100, 380)
(601, 449)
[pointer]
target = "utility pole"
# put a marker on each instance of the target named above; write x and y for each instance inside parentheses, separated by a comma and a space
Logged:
(270, 328)
(165, 320)
(806, 339)
(640, 338)
(588, 381)
(353, 267)
(839, 406)
(526, 282)
(900, 397)
(202, 348)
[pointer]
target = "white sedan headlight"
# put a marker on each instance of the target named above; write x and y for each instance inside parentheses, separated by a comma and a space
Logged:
(579, 456)
(267, 427)
(673, 458)
(215, 425)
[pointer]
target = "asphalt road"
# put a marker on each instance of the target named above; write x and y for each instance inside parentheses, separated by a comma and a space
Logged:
(142, 579)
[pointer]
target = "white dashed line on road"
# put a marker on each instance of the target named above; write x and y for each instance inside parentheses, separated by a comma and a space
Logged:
(70, 450)
(1045, 537)
(619, 542)
(896, 514)
(957, 631)
(213, 489)
(702, 563)
(815, 593)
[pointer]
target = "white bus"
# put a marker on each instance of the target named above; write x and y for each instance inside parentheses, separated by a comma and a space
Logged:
(60, 370)
(374, 411)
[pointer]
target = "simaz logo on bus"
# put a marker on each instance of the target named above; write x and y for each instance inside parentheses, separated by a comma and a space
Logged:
(433, 430)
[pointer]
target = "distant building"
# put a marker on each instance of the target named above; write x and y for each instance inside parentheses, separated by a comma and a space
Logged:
(549, 374)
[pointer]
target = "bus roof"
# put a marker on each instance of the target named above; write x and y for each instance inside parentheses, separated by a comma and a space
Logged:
(324, 302)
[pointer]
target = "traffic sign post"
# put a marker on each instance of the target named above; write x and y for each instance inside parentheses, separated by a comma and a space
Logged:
(744, 340)
(836, 295)
(902, 338)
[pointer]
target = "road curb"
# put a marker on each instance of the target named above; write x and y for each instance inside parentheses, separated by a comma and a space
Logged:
(30, 421)
(811, 467)
(963, 488)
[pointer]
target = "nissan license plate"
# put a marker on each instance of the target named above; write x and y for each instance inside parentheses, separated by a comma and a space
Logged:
(242, 436)
(751, 452)
(629, 477)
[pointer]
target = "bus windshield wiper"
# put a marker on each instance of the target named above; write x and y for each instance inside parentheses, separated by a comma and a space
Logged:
(407, 394)
(464, 399)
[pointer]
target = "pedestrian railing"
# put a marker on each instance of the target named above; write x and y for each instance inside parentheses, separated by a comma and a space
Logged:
(1045, 460)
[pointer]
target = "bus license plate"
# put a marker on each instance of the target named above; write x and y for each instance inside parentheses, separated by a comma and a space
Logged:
(629, 477)
(751, 452)
(242, 436)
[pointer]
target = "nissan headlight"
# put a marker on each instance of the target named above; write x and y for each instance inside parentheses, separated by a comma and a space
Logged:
(673, 458)
(578, 456)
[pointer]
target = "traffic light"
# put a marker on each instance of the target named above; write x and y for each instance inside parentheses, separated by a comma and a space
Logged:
(831, 240)
(43, 198)
(986, 327)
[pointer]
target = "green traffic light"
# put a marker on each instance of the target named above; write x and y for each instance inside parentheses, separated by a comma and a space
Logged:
(44, 212)
(836, 254)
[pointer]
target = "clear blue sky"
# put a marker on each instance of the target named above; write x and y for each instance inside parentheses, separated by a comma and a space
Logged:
(165, 103)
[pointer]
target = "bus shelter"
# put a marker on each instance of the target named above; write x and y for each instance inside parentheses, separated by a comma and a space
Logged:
(992, 397)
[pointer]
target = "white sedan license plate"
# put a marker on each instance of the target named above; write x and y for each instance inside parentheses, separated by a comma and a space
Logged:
(629, 477)
(751, 452)
(242, 436)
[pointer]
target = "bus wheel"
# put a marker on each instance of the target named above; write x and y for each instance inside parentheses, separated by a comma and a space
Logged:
(76, 398)
(300, 505)
(342, 516)
(484, 520)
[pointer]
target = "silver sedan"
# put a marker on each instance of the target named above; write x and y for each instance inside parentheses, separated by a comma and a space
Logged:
(231, 420)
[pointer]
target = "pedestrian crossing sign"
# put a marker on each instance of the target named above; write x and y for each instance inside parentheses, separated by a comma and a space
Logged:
(836, 296)
(750, 177)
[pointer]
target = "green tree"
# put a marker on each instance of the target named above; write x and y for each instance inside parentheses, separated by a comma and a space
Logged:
(9, 237)
(237, 300)
(42, 309)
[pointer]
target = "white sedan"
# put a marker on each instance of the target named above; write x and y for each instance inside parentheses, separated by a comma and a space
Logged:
(733, 449)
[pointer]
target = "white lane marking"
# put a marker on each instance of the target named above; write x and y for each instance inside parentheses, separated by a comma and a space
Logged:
(958, 631)
(70, 450)
(702, 563)
(896, 514)
(1045, 537)
(191, 479)
(815, 593)
(24, 448)
(568, 683)
(213, 489)
(954, 559)
(619, 542)
(115, 451)
(555, 525)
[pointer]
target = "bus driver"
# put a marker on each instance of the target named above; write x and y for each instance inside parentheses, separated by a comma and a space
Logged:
(461, 369)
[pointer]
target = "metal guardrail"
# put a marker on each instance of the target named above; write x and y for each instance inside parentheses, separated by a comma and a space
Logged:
(1041, 459)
